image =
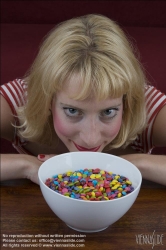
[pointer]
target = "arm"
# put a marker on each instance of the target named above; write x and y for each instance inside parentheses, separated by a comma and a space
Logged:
(19, 166)
(153, 167)
(15, 166)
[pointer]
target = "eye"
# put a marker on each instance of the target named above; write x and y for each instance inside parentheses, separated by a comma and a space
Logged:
(109, 113)
(72, 112)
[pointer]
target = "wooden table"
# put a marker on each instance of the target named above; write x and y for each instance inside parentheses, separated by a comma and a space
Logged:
(27, 219)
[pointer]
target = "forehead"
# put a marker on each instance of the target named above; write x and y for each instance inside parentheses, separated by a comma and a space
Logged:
(72, 88)
(73, 85)
(81, 87)
(77, 88)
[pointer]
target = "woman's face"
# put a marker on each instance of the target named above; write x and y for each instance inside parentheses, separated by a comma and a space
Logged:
(88, 125)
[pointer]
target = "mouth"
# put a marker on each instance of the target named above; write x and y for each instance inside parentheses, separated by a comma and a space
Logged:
(80, 148)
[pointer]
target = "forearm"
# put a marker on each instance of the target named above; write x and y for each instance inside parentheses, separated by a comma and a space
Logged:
(12, 166)
(19, 166)
(152, 167)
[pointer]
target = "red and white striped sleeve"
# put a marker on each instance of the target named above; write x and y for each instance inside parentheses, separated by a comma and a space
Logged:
(14, 92)
(155, 100)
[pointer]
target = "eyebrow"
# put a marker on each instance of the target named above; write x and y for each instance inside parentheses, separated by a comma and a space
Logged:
(74, 107)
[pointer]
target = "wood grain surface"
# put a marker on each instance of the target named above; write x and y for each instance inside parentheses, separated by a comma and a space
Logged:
(26, 216)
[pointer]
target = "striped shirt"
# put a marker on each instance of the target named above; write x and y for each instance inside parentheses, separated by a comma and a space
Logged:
(15, 93)
(154, 100)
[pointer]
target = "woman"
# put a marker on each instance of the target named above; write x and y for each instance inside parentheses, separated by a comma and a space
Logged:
(86, 90)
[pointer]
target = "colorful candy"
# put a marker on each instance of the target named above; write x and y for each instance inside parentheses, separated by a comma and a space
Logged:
(90, 185)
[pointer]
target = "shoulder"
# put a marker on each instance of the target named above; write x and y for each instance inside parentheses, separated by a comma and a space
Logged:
(7, 119)
(154, 97)
(155, 132)
(156, 115)
(16, 86)
(159, 128)
(15, 93)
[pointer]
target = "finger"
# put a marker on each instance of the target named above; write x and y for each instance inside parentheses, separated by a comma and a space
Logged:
(43, 157)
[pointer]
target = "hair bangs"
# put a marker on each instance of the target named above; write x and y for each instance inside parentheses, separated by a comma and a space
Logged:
(98, 81)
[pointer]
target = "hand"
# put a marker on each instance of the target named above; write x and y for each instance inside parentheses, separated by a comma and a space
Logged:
(31, 171)
(34, 164)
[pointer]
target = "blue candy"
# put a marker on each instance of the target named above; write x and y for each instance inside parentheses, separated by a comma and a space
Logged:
(56, 183)
(94, 182)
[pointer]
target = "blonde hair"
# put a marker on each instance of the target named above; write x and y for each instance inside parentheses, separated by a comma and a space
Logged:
(95, 48)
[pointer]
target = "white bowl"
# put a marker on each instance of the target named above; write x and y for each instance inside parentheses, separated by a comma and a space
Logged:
(88, 216)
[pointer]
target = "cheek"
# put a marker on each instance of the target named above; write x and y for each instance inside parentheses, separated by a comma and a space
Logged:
(59, 126)
(113, 130)
(62, 128)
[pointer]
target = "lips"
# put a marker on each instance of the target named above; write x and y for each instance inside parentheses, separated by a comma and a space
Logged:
(80, 148)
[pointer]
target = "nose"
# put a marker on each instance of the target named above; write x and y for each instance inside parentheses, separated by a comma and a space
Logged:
(91, 134)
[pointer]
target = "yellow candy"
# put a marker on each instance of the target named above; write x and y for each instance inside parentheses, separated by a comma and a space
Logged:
(60, 176)
(110, 173)
(114, 187)
(67, 194)
(119, 195)
(93, 194)
(79, 174)
(117, 177)
(65, 182)
(69, 173)
(101, 188)
(120, 189)
(98, 175)
(128, 182)
(102, 172)
(113, 182)
(93, 176)
(106, 198)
